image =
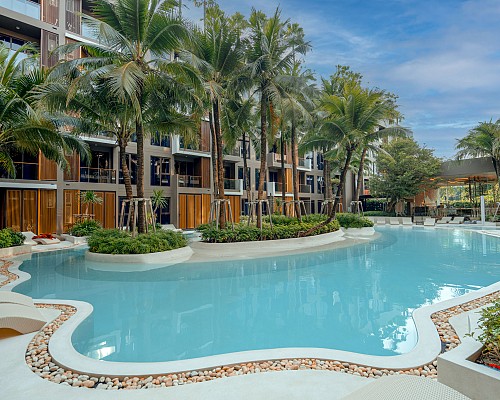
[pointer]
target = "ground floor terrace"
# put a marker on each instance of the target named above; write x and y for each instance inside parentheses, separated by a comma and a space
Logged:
(376, 310)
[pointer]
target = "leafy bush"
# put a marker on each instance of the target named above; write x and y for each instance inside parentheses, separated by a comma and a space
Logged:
(113, 241)
(378, 214)
(85, 228)
(489, 323)
(9, 238)
(353, 221)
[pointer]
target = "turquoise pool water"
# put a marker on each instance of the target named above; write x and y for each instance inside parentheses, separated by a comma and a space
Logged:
(357, 299)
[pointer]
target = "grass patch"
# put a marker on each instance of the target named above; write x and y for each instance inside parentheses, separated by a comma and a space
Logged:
(114, 241)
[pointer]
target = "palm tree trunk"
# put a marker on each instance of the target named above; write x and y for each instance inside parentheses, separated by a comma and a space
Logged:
(141, 216)
(361, 169)
(283, 176)
(295, 180)
(220, 161)
(263, 150)
(328, 192)
(125, 170)
(214, 154)
(246, 178)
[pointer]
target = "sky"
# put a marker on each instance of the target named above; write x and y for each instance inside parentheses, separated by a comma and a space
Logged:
(441, 57)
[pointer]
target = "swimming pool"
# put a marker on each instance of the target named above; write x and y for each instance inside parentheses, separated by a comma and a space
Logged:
(356, 299)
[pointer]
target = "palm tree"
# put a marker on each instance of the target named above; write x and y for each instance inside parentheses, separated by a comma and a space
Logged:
(217, 54)
(88, 198)
(23, 126)
(133, 60)
(482, 141)
(270, 55)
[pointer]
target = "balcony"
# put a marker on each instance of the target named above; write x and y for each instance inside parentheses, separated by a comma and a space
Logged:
(97, 175)
(233, 186)
(304, 164)
(26, 7)
(274, 189)
(304, 189)
(189, 181)
(274, 160)
(178, 147)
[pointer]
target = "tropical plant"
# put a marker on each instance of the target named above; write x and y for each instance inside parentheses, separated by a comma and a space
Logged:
(133, 61)
(9, 238)
(85, 228)
(88, 198)
(23, 126)
(482, 141)
(158, 200)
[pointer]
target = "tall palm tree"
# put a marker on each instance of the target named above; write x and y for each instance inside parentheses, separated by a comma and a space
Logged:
(482, 141)
(270, 54)
(23, 126)
(137, 39)
(217, 53)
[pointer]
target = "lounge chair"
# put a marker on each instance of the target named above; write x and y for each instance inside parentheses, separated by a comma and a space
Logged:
(380, 221)
(46, 241)
(405, 387)
(394, 220)
(430, 222)
(457, 220)
(407, 221)
(443, 220)
(170, 227)
(29, 238)
(18, 312)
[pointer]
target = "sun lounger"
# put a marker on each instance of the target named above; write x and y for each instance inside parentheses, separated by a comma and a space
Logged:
(430, 222)
(29, 238)
(380, 221)
(18, 312)
(443, 220)
(405, 387)
(394, 220)
(46, 241)
(457, 220)
(170, 227)
(407, 221)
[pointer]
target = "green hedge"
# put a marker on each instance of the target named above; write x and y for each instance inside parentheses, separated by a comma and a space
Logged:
(353, 221)
(85, 228)
(9, 238)
(113, 241)
(378, 214)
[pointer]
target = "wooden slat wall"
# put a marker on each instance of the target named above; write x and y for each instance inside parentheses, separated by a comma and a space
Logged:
(190, 211)
(194, 210)
(47, 170)
(50, 11)
(13, 217)
(73, 174)
(206, 201)
(48, 42)
(205, 172)
(73, 18)
(109, 210)
(71, 207)
(47, 212)
(235, 208)
(198, 215)
(205, 136)
(30, 208)
(289, 184)
(182, 211)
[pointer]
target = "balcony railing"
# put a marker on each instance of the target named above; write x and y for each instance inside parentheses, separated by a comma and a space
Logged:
(233, 185)
(189, 181)
(97, 175)
(304, 189)
(26, 7)
(24, 170)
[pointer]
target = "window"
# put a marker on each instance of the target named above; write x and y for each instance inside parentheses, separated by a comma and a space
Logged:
(160, 171)
(161, 140)
(321, 185)
(240, 176)
(132, 167)
(26, 166)
(163, 213)
(319, 161)
(257, 178)
(310, 182)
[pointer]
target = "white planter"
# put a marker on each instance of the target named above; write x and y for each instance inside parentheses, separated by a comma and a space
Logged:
(353, 232)
(136, 262)
(74, 239)
(15, 251)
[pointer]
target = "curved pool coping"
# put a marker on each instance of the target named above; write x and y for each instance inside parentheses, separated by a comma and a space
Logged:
(426, 350)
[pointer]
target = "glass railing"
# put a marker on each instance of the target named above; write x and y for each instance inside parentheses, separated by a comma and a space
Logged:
(189, 181)
(232, 184)
(26, 7)
(304, 189)
(97, 175)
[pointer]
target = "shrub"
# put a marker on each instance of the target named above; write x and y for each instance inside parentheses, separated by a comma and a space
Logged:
(114, 241)
(353, 221)
(489, 323)
(85, 228)
(378, 214)
(9, 238)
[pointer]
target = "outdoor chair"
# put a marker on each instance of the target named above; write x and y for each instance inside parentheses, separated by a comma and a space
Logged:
(407, 221)
(29, 238)
(380, 221)
(394, 220)
(457, 220)
(430, 222)
(18, 312)
(170, 227)
(444, 220)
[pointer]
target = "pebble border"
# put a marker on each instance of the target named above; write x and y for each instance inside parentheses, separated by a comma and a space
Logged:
(40, 361)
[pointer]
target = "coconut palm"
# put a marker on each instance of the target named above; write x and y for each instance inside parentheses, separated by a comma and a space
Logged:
(271, 53)
(133, 59)
(23, 126)
(89, 198)
(217, 53)
(482, 141)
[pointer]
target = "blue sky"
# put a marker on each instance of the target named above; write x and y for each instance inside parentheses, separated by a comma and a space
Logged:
(441, 57)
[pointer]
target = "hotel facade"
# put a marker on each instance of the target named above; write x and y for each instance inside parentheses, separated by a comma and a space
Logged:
(45, 199)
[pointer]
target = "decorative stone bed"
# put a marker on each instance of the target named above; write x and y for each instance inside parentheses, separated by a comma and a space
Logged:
(39, 358)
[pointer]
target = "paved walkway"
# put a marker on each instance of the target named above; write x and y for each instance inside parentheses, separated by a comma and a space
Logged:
(17, 382)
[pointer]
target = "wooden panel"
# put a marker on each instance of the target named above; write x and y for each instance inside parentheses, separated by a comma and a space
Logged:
(109, 210)
(75, 54)
(205, 136)
(206, 201)
(289, 182)
(190, 211)
(73, 173)
(73, 18)
(47, 217)
(50, 11)
(205, 172)
(235, 208)
(47, 170)
(48, 43)
(182, 211)
(98, 209)
(13, 217)
(30, 208)
(198, 216)
(71, 207)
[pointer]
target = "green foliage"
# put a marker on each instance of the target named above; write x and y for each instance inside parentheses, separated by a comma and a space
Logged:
(85, 228)
(378, 214)
(405, 169)
(9, 238)
(113, 241)
(347, 220)
(489, 323)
